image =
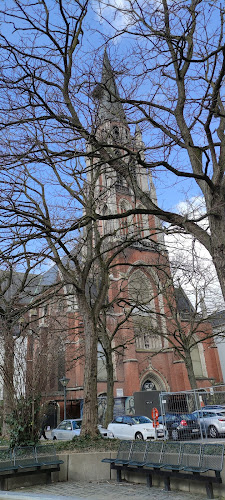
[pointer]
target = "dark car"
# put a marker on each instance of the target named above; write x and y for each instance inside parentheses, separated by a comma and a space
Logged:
(181, 426)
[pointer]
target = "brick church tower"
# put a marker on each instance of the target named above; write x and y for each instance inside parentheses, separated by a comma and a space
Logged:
(146, 361)
(141, 298)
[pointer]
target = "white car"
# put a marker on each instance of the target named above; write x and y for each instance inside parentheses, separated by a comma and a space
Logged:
(67, 429)
(135, 427)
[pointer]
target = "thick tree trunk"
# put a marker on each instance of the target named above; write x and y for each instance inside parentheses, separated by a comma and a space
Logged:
(190, 370)
(8, 381)
(110, 387)
(90, 408)
(217, 228)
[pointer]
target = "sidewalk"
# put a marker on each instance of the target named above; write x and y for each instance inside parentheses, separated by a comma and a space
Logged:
(109, 490)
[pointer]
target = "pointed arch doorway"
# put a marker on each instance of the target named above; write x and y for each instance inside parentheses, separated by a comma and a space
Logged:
(153, 382)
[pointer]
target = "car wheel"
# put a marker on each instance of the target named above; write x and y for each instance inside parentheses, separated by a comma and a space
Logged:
(212, 432)
(139, 436)
(175, 435)
(54, 438)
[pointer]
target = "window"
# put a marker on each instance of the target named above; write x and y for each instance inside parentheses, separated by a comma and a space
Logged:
(77, 425)
(124, 220)
(61, 305)
(141, 223)
(62, 426)
(101, 366)
(148, 385)
(144, 317)
(209, 414)
(119, 179)
(145, 337)
(118, 420)
(115, 133)
(141, 293)
(197, 366)
(127, 420)
(108, 223)
(146, 341)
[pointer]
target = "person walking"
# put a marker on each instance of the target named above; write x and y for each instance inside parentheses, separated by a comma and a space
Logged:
(43, 425)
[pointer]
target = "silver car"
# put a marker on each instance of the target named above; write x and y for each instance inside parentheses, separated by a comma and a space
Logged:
(67, 429)
(212, 421)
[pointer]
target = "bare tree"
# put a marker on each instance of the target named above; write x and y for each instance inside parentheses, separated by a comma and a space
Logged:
(28, 349)
(176, 93)
(190, 332)
(47, 119)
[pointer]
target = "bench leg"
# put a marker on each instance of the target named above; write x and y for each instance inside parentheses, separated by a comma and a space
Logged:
(209, 490)
(149, 480)
(48, 477)
(3, 483)
(167, 483)
(118, 475)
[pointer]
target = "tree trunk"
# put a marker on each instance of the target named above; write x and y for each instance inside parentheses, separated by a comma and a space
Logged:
(190, 370)
(8, 382)
(90, 408)
(217, 230)
(110, 387)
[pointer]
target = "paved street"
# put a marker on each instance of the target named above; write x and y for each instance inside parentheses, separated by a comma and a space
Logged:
(95, 491)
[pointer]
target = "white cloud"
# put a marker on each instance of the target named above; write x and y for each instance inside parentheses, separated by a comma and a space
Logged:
(191, 263)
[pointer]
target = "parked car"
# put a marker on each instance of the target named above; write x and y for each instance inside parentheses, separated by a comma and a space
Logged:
(134, 427)
(67, 429)
(181, 426)
(213, 407)
(212, 421)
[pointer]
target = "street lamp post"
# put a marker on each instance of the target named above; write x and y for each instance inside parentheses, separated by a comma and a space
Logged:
(64, 381)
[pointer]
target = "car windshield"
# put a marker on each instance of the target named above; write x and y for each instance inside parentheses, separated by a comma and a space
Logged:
(169, 417)
(141, 420)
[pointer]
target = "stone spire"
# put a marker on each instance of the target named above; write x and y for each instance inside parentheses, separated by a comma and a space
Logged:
(109, 107)
(138, 137)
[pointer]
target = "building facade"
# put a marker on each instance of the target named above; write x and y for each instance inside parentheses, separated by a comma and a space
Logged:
(143, 314)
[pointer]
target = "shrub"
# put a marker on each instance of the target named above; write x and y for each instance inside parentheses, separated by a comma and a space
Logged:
(24, 422)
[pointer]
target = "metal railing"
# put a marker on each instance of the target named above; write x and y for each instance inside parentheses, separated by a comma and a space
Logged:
(198, 413)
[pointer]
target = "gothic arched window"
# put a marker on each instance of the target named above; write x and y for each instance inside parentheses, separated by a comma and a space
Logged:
(148, 385)
(115, 133)
(146, 329)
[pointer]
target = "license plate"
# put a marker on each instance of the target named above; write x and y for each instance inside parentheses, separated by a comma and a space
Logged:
(194, 430)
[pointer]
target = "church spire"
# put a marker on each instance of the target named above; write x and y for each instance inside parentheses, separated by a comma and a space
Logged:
(109, 107)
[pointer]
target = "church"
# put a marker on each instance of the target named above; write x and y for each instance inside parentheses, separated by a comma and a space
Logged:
(145, 313)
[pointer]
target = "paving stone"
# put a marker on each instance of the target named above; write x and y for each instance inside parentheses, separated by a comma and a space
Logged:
(109, 490)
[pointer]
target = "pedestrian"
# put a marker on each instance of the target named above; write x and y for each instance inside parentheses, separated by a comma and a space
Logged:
(43, 425)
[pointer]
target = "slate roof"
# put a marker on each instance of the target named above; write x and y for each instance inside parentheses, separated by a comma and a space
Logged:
(184, 305)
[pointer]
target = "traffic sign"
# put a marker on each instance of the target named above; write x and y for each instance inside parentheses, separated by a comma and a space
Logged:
(155, 413)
